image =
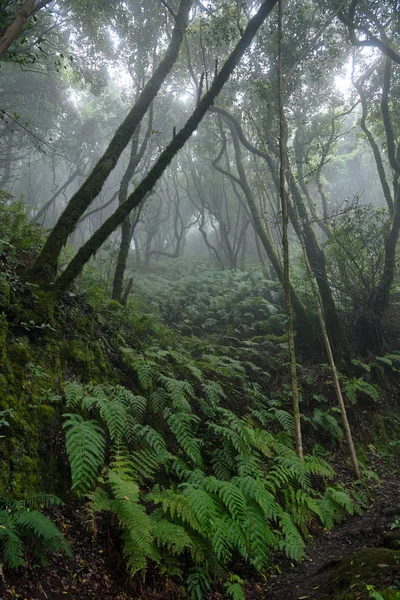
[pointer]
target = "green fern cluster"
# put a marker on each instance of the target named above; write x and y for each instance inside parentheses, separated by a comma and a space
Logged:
(21, 522)
(209, 484)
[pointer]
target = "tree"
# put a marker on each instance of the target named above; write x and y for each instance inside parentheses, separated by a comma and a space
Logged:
(17, 21)
(68, 219)
(45, 267)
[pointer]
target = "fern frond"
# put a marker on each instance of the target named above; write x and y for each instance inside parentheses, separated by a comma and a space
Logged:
(182, 425)
(198, 583)
(44, 529)
(223, 462)
(11, 547)
(171, 536)
(255, 490)
(85, 445)
(260, 538)
(231, 496)
(315, 465)
(214, 392)
(137, 536)
(249, 464)
(235, 590)
(33, 501)
(145, 369)
(146, 463)
(158, 400)
(176, 505)
(74, 393)
(154, 440)
(178, 390)
(292, 542)
(202, 504)
(114, 414)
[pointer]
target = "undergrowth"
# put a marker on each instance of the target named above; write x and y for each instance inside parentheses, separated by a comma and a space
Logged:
(194, 490)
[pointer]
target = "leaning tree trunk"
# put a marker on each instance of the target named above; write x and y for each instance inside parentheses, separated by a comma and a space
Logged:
(99, 237)
(126, 227)
(46, 264)
(27, 10)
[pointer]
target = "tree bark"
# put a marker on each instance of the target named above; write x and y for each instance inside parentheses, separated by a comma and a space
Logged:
(29, 8)
(126, 229)
(392, 236)
(46, 263)
(99, 237)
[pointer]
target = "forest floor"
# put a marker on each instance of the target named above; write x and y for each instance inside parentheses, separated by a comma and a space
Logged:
(92, 574)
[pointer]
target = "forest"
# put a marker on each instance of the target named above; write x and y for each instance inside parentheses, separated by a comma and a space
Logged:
(199, 299)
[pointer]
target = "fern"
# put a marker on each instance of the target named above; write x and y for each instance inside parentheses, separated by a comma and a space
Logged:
(20, 523)
(230, 495)
(146, 463)
(198, 583)
(353, 387)
(154, 440)
(158, 400)
(12, 550)
(292, 542)
(169, 535)
(260, 538)
(181, 425)
(74, 394)
(145, 369)
(175, 505)
(33, 501)
(234, 588)
(112, 410)
(178, 390)
(85, 445)
(42, 528)
(203, 506)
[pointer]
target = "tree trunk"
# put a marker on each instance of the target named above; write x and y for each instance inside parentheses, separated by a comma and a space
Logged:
(385, 284)
(99, 237)
(46, 263)
(13, 30)
(265, 238)
(299, 218)
(285, 245)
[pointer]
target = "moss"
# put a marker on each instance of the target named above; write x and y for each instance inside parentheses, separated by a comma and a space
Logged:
(390, 594)
(3, 340)
(379, 567)
(39, 307)
(87, 359)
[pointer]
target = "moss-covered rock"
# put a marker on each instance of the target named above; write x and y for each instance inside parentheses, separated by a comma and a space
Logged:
(347, 580)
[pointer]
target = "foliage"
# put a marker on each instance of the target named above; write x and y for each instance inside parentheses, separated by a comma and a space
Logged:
(355, 254)
(210, 484)
(22, 524)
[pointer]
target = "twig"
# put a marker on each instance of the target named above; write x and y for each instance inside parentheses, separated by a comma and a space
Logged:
(168, 7)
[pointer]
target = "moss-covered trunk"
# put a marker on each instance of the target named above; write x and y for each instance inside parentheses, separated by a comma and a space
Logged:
(46, 264)
(165, 158)
(383, 293)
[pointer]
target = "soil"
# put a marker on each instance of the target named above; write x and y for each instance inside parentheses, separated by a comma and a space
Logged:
(336, 566)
